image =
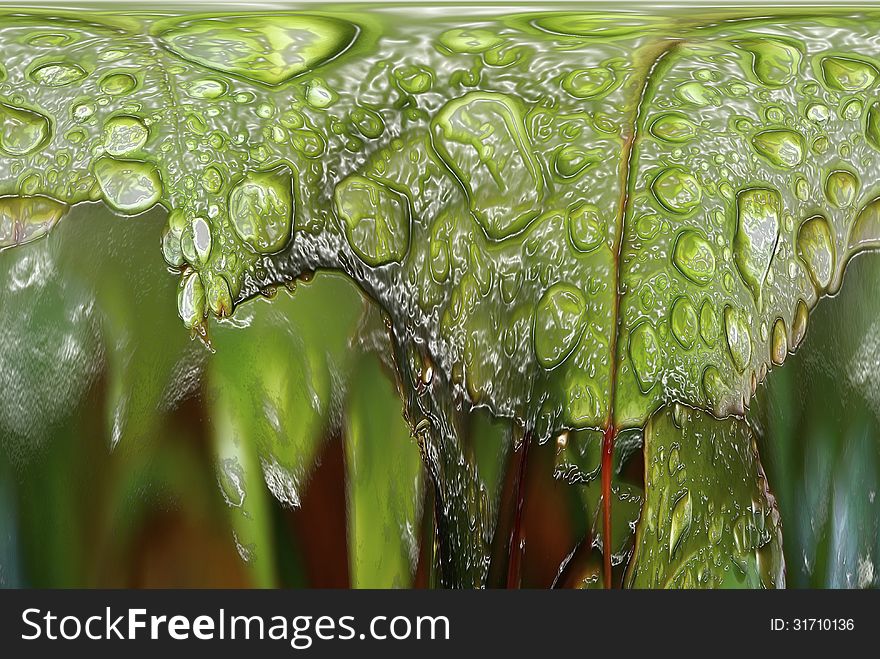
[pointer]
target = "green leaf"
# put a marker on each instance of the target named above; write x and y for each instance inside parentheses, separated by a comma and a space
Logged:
(384, 482)
(709, 519)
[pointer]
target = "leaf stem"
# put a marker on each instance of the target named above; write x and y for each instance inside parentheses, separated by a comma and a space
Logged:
(607, 465)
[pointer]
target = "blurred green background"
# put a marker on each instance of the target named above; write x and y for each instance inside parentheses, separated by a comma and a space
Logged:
(133, 456)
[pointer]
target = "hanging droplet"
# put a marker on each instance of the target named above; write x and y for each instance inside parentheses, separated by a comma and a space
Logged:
(739, 341)
(779, 342)
(191, 300)
(27, 218)
(799, 324)
(129, 186)
(815, 247)
(757, 232)
(865, 232)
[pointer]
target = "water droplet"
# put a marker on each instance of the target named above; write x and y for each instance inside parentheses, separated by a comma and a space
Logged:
(738, 338)
(124, 134)
(783, 148)
(872, 125)
(684, 322)
(815, 247)
(560, 319)
(375, 219)
(852, 109)
(414, 79)
(708, 323)
(757, 232)
(368, 123)
(482, 139)
(261, 208)
(693, 257)
(848, 75)
(697, 94)
(129, 186)
(673, 127)
(774, 62)
(677, 190)
(779, 342)
(207, 89)
(191, 300)
(590, 83)
(217, 294)
(585, 227)
(644, 352)
(571, 161)
(470, 40)
(682, 515)
(319, 96)
(713, 386)
(117, 84)
(799, 324)
(269, 49)
(57, 74)
(841, 187)
(865, 232)
(818, 112)
(22, 131)
(27, 218)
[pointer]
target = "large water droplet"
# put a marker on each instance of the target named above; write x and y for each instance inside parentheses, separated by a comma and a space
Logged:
(739, 341)
(783, 148)
(22, 131)
(872, 125)
(118, 84)
(841, 187)
(129, 186)
(269, 48)
(24, 219)
(673, 127)
(799, 324)
(774, 62)
(470, 40)
(693, 257)
(124, 134)
(644, 352)
(586, 228)
(779, 342)
(57, 74)
(848, 75)
(375, 219)
(708, 323)
(677, 190)
(590, 83)
(713, 386)
(757, 232)
(261, 207)
(560, 319)
(684, 322)
(815, 246)
(191, 300)
(865, 232)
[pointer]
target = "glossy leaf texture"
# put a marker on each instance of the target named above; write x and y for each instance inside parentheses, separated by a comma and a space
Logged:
(570, 224)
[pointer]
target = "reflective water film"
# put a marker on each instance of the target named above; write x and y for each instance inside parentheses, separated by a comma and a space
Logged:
(464, 298)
